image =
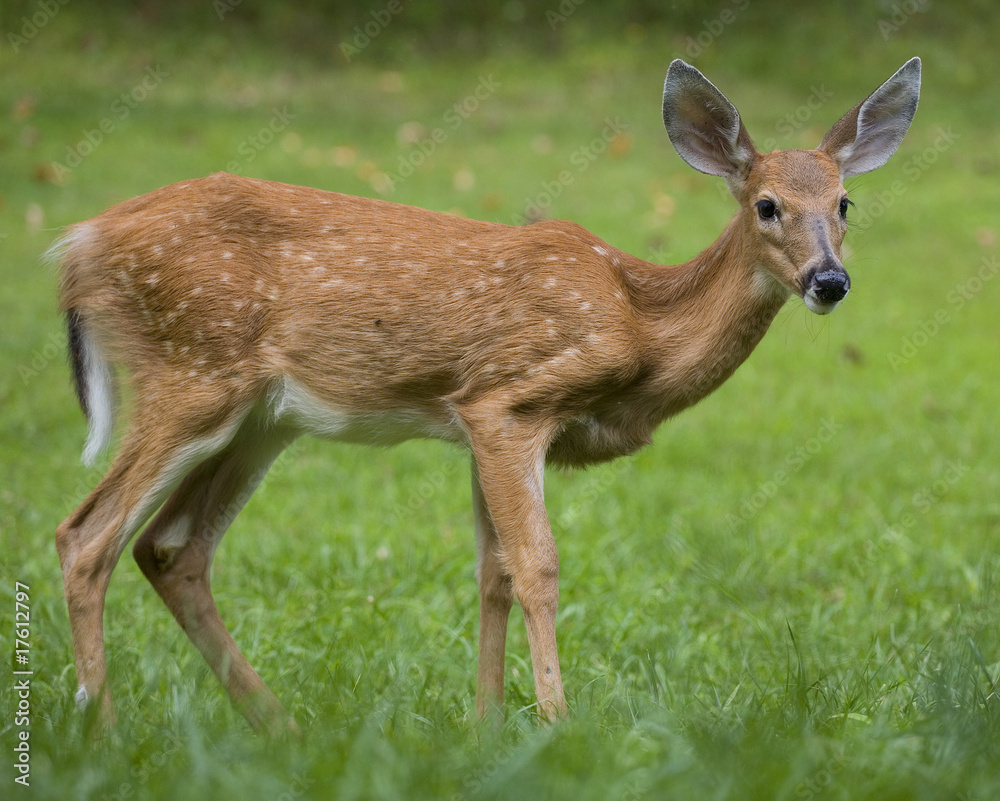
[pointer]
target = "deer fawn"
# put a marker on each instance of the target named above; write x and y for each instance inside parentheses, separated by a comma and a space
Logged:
(248, 313)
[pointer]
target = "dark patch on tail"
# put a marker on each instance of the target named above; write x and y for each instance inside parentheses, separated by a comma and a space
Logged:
(74, 327)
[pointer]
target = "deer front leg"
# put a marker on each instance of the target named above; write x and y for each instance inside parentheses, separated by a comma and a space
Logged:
(510, 462)
(496, 596)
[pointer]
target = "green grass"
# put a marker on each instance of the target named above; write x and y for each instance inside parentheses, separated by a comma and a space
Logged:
(792, 594)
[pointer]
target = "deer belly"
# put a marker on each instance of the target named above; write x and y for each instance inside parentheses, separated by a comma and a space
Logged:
(294, 405)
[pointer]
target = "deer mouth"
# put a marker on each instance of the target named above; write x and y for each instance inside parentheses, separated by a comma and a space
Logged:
(817, 306)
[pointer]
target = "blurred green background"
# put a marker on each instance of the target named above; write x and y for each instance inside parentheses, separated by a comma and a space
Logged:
(791, 594)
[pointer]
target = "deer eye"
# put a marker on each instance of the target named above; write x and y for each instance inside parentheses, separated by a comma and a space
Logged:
(844, 203)
(766, 209)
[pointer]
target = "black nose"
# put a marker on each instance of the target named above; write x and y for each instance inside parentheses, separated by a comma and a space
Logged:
(830, 286)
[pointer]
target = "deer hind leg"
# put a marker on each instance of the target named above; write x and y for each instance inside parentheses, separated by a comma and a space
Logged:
(175, 554)
(158, 452)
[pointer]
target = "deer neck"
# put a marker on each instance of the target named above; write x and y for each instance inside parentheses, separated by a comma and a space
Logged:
(703, 318)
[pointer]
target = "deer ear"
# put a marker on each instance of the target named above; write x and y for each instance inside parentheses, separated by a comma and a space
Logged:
(704, 127)
(868, 134)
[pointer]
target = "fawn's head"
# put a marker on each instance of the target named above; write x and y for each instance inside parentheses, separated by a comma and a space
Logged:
(793, 203)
